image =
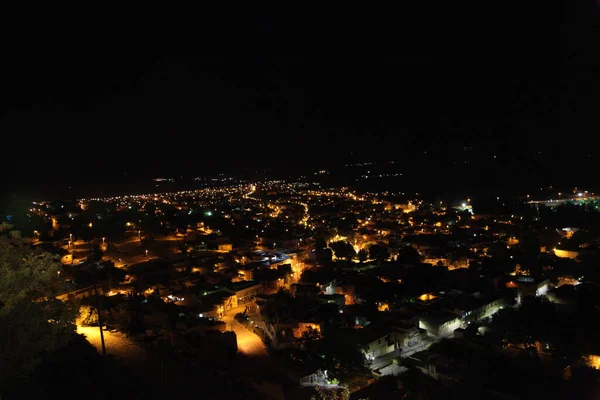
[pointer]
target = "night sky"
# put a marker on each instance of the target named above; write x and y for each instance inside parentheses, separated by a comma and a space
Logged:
(386, 86)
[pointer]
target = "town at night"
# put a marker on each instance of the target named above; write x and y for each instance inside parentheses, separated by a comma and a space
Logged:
(417, 222)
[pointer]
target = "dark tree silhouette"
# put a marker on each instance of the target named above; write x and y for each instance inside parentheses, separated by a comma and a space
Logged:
(363, 255)
(408, 255)
(379, 252)
(343, 249)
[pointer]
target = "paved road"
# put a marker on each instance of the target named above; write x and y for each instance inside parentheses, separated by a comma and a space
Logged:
(248, 343)
(117, 344)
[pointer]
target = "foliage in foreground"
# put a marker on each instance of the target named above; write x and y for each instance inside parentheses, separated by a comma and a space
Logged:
(33, 322)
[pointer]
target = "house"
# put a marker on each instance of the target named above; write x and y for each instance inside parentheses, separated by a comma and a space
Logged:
(473, 307)
(318, 378)
(338, 299)
(488, 308)
(376, 341)
(403, 316)
(529, 286)
(245, 291)
(439, 324)
(462, 262)
(304, 291)
(432, 364)
(197, 308)
(207, 302)
(564, 298)
(381, 351)
(391, 370)
(436, 261)
(245, 273)
(563, 253)
(407, 335)
(301, 327)
(459, 333)
(226, 247)
(347, 289)
(295, 255)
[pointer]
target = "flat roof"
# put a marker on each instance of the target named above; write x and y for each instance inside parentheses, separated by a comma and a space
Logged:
(438, 318)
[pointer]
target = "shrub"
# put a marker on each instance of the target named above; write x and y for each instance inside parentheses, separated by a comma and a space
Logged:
(88, 316)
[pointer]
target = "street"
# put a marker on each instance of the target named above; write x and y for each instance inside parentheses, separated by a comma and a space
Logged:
(129, 251)
(117, 344)
(248, 343)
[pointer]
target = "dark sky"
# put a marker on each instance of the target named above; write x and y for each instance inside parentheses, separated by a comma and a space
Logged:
(383, 85)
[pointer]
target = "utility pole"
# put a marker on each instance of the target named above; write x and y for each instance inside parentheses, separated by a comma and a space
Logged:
(99, 320)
